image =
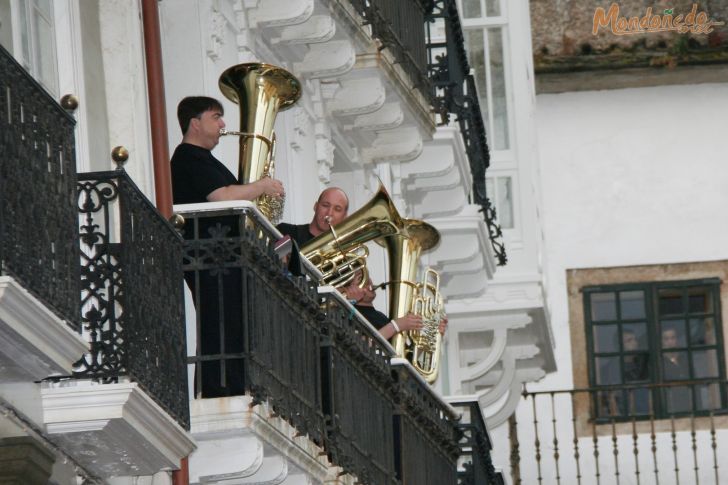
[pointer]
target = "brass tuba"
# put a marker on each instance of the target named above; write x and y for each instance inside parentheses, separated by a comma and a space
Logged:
(421, 348)
(341, 253)
(261, 90)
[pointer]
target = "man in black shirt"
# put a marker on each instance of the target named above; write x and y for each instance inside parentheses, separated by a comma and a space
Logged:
(197, 176)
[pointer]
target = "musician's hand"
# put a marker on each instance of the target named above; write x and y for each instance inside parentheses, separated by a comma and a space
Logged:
(270, 186)
(443, 325)
(409, 322)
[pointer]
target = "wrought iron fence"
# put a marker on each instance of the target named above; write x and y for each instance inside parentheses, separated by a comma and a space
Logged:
(400, 27)
(131, 294)
(38, 217)
(476, 466)
(425, 431)
(587, 436)
(454, 92)
(308, 354)
(359, 398)
(258, 326)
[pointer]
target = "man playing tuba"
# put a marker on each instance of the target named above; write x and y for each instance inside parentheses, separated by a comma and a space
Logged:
(331, 208)
(197, 176)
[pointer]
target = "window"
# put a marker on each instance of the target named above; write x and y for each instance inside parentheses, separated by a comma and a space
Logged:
(655, 348)
(30, 37)
(500, 192)
(486, 55)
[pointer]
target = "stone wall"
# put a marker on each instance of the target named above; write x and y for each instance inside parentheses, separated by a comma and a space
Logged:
(563, 29)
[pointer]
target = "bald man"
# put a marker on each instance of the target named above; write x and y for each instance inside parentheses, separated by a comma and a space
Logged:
(331, 208)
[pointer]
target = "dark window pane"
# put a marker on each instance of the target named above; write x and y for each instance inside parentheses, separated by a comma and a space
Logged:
(702, 331)
(678, 399)
(607, 370)
(707, 397)
(603, 306)
(675, 366)
(609, 403)
(672, 334)
(635, 368)
(632, 304)
(606, 338)
(705, 363)
(639, 401)
(700, 300)
(671, 302)
(634, 337)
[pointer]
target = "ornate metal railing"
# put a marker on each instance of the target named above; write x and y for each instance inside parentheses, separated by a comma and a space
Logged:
(308, 355)
(425, 430)
(131, 287)
(454, 92)
(358, 394)
(476, 465)
(400, 27)
(608, 434)
(258, 327)
(38, 217)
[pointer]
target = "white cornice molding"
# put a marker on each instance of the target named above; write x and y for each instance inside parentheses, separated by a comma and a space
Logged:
(497, 414)
(398, 145)
(357, 96)
(387, 117)
(330, 59)
(318, 28)
(113, 429)
(221, 420)
(495, 354)
(277, 13)
(33, 340)
(504, 297)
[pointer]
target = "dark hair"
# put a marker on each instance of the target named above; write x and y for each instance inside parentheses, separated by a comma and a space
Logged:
(193, 107)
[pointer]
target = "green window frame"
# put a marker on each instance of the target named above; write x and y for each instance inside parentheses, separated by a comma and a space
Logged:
(655, 349)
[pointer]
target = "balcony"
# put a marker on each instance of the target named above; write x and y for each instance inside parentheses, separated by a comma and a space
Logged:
(454, 93)
(640, 433)
(306, 362)
(39, 282)
(311, 391)
(77, 306)
(475, 465)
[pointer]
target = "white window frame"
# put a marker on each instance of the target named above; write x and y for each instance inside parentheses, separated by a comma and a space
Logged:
(31, 62)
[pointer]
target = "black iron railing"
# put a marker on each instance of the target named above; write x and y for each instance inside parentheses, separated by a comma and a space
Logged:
(454, 92)
(258, 327)
(476, 465)
(267, 333)
(425, 431)
(359, 400)
(399, 25)
(613, 433)
(132, 302)
(38, 217)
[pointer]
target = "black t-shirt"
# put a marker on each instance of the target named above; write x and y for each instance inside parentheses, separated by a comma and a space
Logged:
(196, 173)
(375, 317)
(298, 233)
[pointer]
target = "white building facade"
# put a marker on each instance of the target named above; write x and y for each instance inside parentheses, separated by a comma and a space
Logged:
(364, 116)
